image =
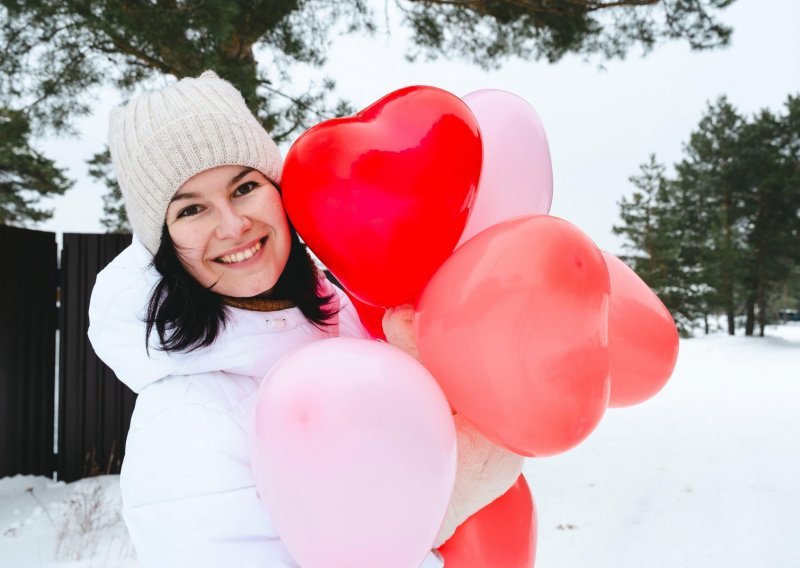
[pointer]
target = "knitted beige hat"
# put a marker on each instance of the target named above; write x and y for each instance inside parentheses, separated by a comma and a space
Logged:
(159, 140)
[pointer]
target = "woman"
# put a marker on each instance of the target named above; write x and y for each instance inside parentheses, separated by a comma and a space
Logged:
(214, 289)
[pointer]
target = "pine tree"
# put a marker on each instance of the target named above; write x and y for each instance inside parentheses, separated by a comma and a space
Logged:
(662, 243)
(690, 219)
(724, 234)
(647, 237)
(57, 52)
(25, 175)
(115, 219)
(710, 178)
(770, 164)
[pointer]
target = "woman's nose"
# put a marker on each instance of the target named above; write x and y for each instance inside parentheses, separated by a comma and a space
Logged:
(232, 223)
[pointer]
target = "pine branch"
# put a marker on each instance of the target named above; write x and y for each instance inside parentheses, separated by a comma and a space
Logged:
(539, 6)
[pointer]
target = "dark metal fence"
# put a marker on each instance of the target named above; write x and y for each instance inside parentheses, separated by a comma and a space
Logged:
(27, 351)
(94, 408)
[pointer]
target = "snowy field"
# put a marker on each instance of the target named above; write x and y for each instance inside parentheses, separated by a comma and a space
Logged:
(705, 475)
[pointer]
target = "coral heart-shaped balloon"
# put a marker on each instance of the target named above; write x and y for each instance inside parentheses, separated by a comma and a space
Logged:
(383, 196)
(514, 326)
(642, 337)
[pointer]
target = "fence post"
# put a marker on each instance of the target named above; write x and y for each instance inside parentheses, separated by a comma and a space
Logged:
(27, 351)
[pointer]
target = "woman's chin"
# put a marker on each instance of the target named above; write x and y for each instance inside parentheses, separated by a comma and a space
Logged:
(255, 281)
(253, 291)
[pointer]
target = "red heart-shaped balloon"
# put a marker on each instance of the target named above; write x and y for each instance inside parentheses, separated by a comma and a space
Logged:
(383, 196)
(502, 534)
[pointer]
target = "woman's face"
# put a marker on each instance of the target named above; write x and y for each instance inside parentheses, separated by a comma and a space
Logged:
(230, 231)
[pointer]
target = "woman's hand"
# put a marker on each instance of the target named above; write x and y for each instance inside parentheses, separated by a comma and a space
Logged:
(398, 327)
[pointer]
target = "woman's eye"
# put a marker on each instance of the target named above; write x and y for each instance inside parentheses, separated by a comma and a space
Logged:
(189, 211)
(245, 188)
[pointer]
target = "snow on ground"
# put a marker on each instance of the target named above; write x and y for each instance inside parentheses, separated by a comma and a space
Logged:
(54, 524)
(705, 475)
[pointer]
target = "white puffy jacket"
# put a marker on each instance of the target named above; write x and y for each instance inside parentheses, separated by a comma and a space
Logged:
(189, 498)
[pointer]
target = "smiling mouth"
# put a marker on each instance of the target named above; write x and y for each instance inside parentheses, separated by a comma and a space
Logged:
(241, 256)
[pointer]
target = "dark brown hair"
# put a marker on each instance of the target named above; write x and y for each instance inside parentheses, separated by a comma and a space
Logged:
(188, 316)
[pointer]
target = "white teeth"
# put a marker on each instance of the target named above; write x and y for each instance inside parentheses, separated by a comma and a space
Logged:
(240, 256)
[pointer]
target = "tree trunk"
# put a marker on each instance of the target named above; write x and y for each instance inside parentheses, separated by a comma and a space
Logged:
(762, 310)
(750, 322)
(705, 323)
(727, 268)
(730, 311)
(731, 322)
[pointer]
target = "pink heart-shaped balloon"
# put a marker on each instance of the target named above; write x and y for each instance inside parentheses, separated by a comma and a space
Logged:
(517, 174)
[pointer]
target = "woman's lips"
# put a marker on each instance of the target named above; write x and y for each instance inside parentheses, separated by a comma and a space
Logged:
(242, 254)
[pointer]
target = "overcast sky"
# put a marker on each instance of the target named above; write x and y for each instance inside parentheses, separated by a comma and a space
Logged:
(601, 123)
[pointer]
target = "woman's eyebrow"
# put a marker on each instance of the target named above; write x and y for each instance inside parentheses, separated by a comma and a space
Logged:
(183, 196)
(239, 176)
(234, 179)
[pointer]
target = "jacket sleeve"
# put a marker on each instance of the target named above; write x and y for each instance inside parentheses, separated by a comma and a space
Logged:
(484, 473)
(189, 498)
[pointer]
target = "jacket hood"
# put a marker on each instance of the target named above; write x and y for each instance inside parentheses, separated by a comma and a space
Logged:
(117, 327)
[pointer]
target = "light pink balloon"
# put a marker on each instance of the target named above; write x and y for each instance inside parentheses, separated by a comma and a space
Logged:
(354, 454)
(517, 175)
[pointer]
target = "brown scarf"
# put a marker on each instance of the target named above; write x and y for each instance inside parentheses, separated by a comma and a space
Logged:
(258, 304)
